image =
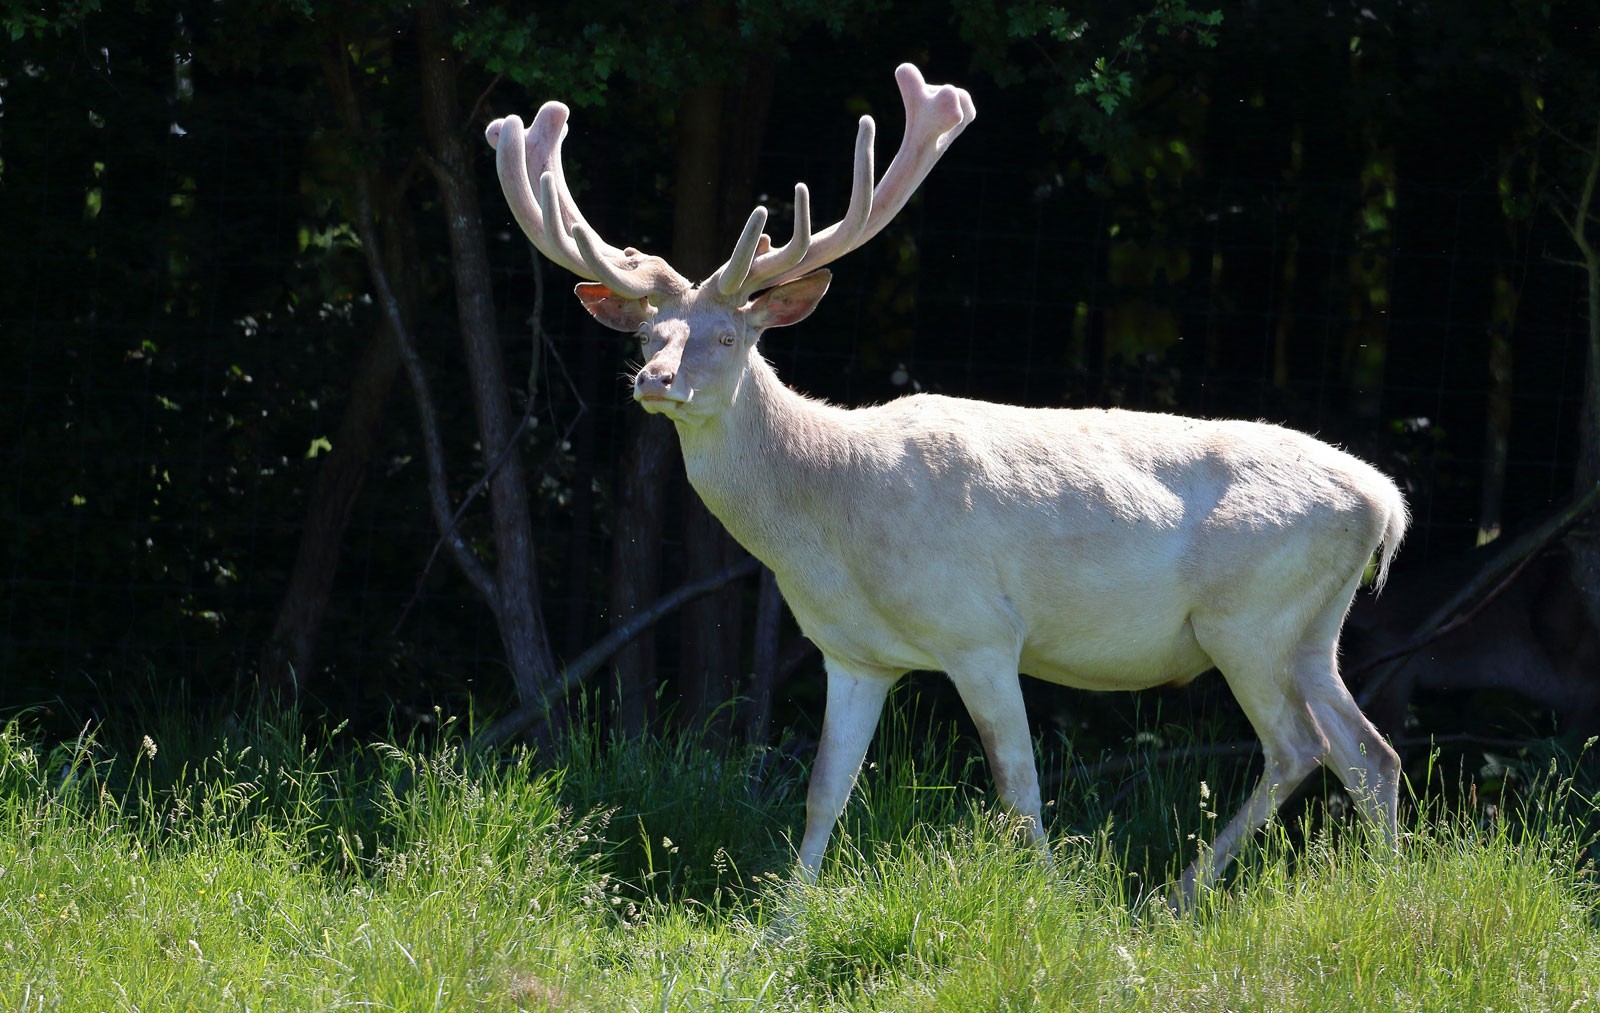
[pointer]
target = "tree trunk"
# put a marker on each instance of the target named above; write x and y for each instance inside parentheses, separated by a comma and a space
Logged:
(579, 625)
(703, 667)
(520, 621)
(719, 140)
(1584, 542)
(649, 463)
(1497, 429)
(650, 471)
(1289, 277)
(287, 661)
(763, 661)
(1588, 471)
(1583, 215)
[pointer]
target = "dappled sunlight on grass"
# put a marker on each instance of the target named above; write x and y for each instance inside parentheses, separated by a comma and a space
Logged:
(268, 872)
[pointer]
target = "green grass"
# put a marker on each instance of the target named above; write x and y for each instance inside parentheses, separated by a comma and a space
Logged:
(255, 870)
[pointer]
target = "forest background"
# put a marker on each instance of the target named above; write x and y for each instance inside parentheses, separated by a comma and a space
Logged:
(294, 414)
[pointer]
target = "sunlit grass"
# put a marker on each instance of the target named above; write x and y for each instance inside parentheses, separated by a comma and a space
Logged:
(256, 871)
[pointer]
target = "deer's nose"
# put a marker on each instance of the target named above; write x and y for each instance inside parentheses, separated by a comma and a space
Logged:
(655, 376)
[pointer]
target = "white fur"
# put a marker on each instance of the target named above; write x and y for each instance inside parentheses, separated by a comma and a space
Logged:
(1105, 550)
(1099, 549)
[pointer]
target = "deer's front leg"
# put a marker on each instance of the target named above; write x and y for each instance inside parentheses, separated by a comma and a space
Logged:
(855, 700)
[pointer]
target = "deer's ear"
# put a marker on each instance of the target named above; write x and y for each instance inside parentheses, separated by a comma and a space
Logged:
(790, 302)
(617, 312)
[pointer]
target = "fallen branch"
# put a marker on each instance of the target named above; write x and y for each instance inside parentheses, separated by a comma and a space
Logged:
(1249, 749)
(1243, 750)
(518, 722)
(1488, 582)
(1419, 642)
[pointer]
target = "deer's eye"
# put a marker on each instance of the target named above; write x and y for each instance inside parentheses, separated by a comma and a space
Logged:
(726, 337)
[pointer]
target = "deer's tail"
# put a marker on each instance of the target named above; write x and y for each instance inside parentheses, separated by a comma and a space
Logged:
(1396, 518)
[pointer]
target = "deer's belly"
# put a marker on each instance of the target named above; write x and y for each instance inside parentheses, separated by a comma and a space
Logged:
(864, 640)
(1114, 633)
(1095, 647)
(1099, 663)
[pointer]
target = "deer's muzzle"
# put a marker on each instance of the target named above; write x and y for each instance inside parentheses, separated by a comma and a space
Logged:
(653, 388)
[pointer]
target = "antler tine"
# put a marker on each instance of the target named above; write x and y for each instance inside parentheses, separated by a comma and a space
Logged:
(558, 229)
(775, 262)
(730, 277)
(512, 145)
(816, 249)
(605, 269)
(935, 116)
(754, 259)
(551, 219)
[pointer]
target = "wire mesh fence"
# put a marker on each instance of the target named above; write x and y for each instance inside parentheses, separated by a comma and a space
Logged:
(162, 443)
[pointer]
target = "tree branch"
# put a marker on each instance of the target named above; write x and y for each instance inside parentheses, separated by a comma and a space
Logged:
(1248, 749)
(1243, 750)
(536, 323)
(1555, 131)
(448, 531)
(1564, 261)
(483, 96)
(337, 72)
(1581, 215)
(1428, 636)
(1581, 207)
(1508, 560)
(519, 721)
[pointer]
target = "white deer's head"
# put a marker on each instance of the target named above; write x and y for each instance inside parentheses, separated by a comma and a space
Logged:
(697, 338)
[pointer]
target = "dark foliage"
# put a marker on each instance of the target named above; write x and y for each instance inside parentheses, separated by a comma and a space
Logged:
(1332, 218)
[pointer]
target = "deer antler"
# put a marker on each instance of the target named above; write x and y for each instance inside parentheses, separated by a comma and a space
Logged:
(551, 218)
(935, 116)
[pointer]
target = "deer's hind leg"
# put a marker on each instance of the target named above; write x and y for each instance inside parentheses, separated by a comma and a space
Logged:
(1255, 654)
(1283, 670)
(1357, 751)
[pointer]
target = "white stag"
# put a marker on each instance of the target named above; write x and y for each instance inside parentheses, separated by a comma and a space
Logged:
(1106, 550)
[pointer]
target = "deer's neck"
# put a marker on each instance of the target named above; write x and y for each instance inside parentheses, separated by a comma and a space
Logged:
(770, 463)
